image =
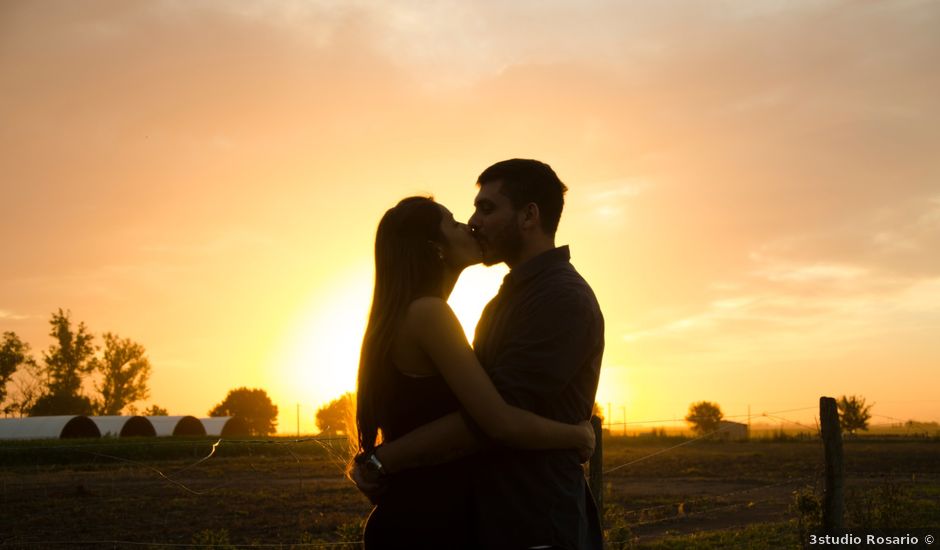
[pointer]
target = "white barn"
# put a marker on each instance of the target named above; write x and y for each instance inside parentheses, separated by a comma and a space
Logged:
(177, 425)
(48, 427)
(225, 426)
(124, 426)
(732, 431)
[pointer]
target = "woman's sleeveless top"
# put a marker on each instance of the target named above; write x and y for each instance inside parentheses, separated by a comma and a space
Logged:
(425, 507)
(415, 402)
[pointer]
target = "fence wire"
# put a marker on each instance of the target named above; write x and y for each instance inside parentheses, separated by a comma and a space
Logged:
(339, 458)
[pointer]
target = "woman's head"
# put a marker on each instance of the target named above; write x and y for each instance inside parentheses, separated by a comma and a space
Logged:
(406, 248)
(417, 243)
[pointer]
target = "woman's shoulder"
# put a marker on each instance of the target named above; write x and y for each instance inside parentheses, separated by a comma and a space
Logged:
(428, 308)
(429, 318)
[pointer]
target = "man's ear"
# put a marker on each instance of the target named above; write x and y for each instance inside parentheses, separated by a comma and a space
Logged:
(529, 217)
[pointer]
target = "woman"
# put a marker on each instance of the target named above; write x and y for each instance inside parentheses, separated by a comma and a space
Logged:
(416, 366)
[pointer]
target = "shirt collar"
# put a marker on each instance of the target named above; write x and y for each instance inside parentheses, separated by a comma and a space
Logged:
(533, 266)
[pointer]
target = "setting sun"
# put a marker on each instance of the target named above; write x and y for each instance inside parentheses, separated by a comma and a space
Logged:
(319, 357)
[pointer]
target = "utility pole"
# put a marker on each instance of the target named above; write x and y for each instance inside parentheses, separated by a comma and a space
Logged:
(298, 420)
(624, 409)
(748, 421)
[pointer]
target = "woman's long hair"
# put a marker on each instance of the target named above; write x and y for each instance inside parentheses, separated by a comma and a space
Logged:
(407, 266)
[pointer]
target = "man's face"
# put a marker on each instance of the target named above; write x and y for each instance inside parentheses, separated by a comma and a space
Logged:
(495, 224)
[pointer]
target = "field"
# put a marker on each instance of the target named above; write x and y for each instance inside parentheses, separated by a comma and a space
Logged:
(160, 493)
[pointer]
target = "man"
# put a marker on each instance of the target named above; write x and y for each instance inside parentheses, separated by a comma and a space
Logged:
(541, 340)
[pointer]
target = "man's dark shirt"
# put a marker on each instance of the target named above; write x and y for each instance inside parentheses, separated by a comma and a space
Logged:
(541, 340)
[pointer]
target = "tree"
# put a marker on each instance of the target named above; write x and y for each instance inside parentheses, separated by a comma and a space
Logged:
(338, 417)
(69, 359)
(155, 410)
(704, 417)
(854, 414)
(125, 370)
(28, 389)
(253, 405)
(13, 354)
(54, 404)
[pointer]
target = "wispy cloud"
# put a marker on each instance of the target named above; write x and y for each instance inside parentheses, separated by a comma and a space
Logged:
(617, 190)
(12, 316)
(811, 273)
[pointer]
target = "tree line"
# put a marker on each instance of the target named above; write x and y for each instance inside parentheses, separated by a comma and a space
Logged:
(704, 417)
(117, 371)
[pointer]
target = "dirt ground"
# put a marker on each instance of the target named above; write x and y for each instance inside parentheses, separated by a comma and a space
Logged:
(300, 496)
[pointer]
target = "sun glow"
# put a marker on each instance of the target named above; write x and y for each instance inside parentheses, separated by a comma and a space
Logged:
(319, 359)
(476, 286)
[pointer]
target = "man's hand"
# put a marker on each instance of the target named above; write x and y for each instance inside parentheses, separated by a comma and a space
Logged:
(586, 450)
(369, 482)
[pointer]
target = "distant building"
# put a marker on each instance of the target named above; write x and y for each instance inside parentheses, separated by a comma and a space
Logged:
(225, 426)
(124, 426)
(732, 431)
(177, 426)
(48, 427)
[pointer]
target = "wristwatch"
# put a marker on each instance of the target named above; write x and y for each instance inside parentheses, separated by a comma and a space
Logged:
(372, 463)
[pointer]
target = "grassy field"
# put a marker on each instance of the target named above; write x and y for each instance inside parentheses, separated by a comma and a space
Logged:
(165, 492)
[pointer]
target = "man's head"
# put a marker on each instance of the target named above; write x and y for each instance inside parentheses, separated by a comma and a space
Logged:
(517, 209)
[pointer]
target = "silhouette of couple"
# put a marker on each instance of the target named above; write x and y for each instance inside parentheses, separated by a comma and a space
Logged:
(479, 447)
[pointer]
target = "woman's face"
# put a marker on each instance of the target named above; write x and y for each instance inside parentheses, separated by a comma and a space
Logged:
(462, 249)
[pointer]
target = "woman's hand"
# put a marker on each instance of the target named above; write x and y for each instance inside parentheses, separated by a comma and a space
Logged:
(370, 483)
(586, 448)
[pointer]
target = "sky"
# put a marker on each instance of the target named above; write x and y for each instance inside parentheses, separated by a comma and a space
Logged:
(754, 190)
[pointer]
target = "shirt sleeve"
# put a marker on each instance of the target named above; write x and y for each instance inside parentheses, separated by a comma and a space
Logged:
(553, 338)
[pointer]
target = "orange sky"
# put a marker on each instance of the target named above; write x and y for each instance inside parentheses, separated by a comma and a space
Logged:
(754, 191)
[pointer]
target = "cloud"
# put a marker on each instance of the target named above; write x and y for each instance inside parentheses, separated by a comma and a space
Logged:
(617, 190)
(800, 313)
(12, 316)
(814, 273)
(891, 237)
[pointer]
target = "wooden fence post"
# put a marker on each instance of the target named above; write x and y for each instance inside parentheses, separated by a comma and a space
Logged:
(597, 466)
(833, 506)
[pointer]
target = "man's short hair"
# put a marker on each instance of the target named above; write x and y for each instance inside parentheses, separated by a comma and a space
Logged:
(528, 180)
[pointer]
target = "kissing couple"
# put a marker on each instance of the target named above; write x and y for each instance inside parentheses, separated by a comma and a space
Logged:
(479, 447)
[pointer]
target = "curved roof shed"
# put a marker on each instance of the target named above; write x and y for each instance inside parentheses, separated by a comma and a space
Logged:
(48, 427)
(177, 425)
(124, 426)
(225, 426)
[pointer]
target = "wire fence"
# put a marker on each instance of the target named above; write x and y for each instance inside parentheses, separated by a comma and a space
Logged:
(337, 452)
(102, 543)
